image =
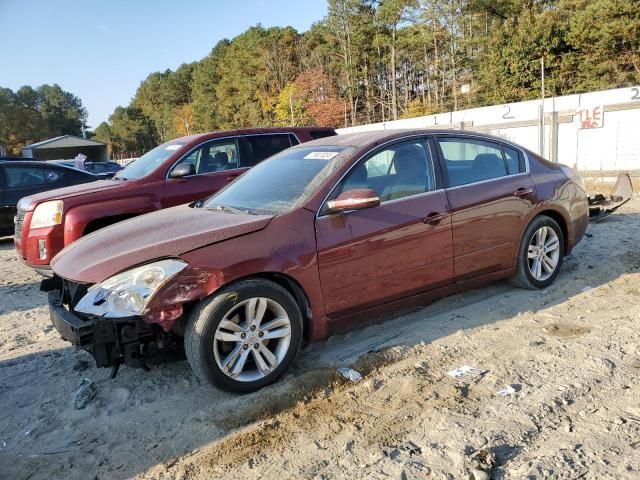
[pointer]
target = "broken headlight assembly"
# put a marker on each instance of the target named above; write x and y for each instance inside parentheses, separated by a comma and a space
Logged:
(128, 293)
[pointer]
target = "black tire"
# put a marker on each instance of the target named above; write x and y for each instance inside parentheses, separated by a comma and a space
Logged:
(204, 321)
(523, 277)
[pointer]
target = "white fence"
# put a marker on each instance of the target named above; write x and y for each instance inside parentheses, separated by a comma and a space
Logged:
(590, 131)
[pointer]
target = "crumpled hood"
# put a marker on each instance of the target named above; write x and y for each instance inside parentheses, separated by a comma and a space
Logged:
(166, 233)
(81, 189)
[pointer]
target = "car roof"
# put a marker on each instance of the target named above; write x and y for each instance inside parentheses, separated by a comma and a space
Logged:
(38, 163)
(361, 139)
(251, 131)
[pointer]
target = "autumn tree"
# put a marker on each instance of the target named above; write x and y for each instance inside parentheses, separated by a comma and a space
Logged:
(312, 99)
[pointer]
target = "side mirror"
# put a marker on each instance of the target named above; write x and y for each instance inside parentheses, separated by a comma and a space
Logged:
(354, 200)
(183, 170)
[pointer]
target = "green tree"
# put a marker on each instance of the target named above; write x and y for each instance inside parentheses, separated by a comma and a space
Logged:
(102, 133)
(206, 76)
(604, 40)
(62, 111)
(132, 132)
(30, 115)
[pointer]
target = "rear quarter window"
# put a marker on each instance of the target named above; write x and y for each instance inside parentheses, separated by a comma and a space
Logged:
(514, 159)
(75, 178)
(55, 177)
(259, 147)
(322, 134)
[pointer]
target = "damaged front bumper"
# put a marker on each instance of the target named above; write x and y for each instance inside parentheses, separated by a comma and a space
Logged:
(113, 342)
(601, 206)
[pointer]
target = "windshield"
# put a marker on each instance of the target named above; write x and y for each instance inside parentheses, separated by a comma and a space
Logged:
(280, 183)
(149, 161)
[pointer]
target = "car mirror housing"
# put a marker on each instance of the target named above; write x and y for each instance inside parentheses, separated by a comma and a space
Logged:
(354, 200)
(183, 170)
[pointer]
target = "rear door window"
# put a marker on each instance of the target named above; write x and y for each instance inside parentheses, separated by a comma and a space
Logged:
(259, 147)
(55, 177)
(469, 160)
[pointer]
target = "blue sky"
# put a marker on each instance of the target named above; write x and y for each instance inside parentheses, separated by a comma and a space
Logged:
(101, 50)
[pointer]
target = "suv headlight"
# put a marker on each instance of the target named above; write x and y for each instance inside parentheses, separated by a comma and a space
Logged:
(128, 293)
(47, 214)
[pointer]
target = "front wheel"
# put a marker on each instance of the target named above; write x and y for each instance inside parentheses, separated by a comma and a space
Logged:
(540, 254)
(245, 336)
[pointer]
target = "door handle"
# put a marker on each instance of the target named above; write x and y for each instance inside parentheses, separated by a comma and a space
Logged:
(521, 192)
(434, 218)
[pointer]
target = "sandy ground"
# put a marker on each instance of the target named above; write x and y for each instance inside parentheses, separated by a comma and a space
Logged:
(572, 356)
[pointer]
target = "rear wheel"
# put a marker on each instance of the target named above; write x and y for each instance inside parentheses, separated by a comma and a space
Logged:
(245, 336)
(540, 254)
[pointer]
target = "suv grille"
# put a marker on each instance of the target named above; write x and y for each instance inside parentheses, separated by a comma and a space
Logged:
(18, 223)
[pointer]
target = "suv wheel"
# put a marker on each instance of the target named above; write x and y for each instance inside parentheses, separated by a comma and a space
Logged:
(245, 336)
(540, 255)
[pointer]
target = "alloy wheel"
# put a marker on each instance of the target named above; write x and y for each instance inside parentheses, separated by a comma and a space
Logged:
(252, 339)
(543, 253)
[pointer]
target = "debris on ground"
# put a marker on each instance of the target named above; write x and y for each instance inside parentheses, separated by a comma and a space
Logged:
(506, 391)
(482, 461)
(466, 371)
(350, 374)
(601, 206)
(85, 393)
(395, 451)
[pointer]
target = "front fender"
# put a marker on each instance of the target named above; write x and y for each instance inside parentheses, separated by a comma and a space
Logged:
(77, 218)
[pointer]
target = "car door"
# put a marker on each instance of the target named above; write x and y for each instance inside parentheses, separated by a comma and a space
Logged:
(401, 247)
(19, 181)
(490, 194)
(215, 163)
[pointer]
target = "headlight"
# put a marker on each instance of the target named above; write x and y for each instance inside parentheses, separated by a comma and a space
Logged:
(47, 214)
(128, 293)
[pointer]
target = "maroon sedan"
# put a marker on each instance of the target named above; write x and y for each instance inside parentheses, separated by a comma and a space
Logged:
(323, 233)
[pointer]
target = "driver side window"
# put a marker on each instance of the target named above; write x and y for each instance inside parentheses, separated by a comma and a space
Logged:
(214, 156)
(401, 170)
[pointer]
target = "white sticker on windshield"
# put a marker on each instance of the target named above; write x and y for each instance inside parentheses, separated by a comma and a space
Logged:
(175, 146)
(320, 155)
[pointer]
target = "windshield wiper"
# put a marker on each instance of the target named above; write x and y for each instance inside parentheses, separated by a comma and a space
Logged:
(226, 208)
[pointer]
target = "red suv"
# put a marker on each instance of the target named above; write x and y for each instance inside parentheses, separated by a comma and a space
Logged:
(180, 171)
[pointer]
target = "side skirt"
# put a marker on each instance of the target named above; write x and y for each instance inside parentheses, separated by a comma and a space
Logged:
(344, 323)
